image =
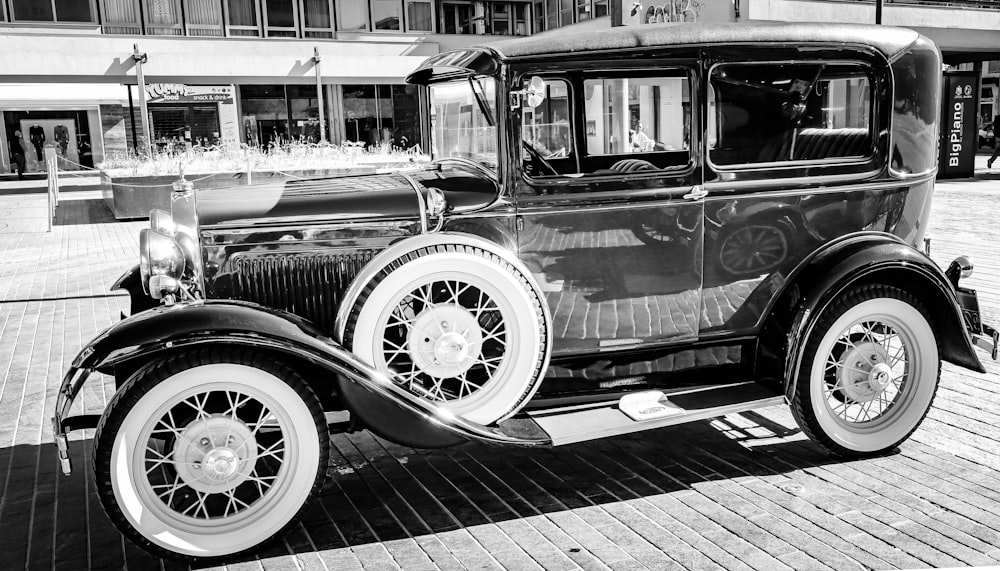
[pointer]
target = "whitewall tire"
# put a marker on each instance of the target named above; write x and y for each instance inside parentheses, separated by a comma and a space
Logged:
(210, 453)
(455, 324)
(869, 372)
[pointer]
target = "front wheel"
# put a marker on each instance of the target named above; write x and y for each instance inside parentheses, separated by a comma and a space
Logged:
(210, 453)
(869, 372)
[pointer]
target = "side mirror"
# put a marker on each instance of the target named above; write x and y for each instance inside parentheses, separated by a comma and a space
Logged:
(531, 96)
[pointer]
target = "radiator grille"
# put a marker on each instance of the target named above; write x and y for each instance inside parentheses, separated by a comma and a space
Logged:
(308, 284)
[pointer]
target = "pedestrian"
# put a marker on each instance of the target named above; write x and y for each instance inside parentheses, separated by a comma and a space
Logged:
(996, 142)
(17, 155)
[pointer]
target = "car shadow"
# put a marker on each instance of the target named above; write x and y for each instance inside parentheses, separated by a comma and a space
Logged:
(84, 211)
(381, 491)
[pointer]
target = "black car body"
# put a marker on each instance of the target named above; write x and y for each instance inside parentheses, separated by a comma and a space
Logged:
(621, 230)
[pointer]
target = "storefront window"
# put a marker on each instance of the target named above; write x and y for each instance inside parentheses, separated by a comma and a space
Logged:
(163, 17)
(68, 131)
(385, 14)
(316, 16)
(265, 114)
(538, 8)
(600, 8)
(419, 16)
(120, 17)
(352, 16)
(382, 115)
(280, 18)
(70, 11)
(204, 17)
(304, 104)
(243, 18)
(177, 128)
(456, 18)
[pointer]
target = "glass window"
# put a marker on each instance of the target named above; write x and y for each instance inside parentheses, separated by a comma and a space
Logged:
(243, 18)
(770, 112)
(204, 17)
(73, 10)
(546, 131)
(457, 18)
(565, 12)
(460, 126)
(538, 8)
(386, 14)
(280, 18)
(582, 10)
(419, 16)
(351, 16)
(317, 18)
(120, 17)
(304, 105)
(265, 114)
(500, 13)
(163, 17)
(520, 21)
(637, 115)
(600, 8)
(33, 10)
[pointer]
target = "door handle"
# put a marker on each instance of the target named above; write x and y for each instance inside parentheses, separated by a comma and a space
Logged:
(697, 193)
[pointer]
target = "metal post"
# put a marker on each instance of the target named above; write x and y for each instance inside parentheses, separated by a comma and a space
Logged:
(878, 11)
(319, 96)
(139, 59)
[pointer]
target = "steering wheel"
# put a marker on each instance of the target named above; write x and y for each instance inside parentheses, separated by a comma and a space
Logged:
(536, 156)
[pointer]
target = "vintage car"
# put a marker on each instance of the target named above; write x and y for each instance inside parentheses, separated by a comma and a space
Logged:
(620, 230)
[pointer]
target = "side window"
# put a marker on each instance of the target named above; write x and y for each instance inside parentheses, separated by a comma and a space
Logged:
(636, 123)
(772, 113)
(547, 133)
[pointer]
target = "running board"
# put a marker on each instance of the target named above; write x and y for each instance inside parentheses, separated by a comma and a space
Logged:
(652, 409)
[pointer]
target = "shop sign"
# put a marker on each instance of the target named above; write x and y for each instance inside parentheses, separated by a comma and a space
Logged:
(180, 93)
(958, 125)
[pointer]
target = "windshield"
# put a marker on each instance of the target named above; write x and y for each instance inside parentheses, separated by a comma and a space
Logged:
(462, 122)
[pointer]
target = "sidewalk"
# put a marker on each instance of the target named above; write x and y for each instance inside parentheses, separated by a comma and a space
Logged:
(741, 492)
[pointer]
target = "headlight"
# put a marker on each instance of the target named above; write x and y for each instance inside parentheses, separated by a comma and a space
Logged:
(159, 255)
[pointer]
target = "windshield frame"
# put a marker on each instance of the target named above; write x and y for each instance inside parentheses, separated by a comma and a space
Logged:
(482, 102)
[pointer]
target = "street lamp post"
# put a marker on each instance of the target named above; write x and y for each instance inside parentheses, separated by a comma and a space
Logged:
(139, 59)
(319, 95)
(878, 11)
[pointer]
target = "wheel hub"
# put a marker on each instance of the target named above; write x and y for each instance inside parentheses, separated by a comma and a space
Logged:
(215, 454)
(445, 340)
(865, 374)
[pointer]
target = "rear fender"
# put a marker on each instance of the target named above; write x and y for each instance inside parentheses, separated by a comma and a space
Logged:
(858, 259)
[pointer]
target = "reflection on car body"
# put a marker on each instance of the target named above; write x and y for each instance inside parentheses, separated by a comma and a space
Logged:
(621, 231)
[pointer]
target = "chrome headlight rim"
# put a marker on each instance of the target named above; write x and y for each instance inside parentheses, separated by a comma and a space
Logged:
(160, 256)
(162, 222)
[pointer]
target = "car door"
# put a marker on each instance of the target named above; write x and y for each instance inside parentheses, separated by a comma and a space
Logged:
(609, 202)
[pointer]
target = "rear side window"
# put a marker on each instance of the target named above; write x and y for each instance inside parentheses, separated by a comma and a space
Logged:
(776, 112)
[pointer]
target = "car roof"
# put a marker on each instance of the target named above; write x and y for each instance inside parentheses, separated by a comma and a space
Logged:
(887, 39)
(591, 37)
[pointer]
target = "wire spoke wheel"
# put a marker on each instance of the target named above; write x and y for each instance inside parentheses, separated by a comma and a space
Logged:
(210, 454)
(446, 339)
(213, 454)
(869, 371)
(457, 325)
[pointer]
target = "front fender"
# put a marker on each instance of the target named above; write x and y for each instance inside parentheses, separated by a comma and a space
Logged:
(854, 260)
(144, 336)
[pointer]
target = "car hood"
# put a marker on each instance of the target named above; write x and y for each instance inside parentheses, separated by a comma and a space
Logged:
(378, 196)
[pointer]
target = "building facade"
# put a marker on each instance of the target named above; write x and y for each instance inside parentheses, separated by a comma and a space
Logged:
(259, 72)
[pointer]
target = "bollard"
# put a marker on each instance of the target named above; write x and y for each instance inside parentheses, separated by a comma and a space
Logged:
(249, 172)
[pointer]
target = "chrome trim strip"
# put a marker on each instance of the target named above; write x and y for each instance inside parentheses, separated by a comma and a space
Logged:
(781, 185)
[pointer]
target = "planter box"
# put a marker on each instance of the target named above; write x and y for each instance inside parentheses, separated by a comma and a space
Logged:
(132, 197)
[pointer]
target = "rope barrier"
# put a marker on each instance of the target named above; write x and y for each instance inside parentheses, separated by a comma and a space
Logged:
(58, 158)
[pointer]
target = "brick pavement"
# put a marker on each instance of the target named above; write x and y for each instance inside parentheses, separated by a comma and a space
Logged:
(740, 492)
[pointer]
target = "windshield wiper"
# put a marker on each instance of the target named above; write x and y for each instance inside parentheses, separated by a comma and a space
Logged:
(484, 106)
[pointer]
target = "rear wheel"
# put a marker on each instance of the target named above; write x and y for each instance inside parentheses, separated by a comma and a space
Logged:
(210, 453)
(869, 372)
